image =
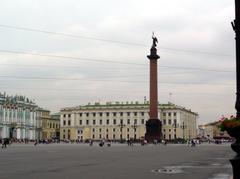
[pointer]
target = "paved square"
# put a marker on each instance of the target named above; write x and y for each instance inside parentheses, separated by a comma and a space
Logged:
(64, 161)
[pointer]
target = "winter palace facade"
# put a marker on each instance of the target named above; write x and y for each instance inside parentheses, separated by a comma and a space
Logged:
(18, 118)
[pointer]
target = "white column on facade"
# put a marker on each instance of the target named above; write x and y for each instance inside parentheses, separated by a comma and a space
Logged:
(5, 132)
(18, 133)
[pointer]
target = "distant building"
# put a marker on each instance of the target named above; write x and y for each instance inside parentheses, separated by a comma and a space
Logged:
(212, 131)
(18, 118)
(50, 124)
(117, 121)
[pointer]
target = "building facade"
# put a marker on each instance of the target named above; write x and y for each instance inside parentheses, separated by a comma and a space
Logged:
(116, 121)
(212, 131)
(18, 118)
(50, 124)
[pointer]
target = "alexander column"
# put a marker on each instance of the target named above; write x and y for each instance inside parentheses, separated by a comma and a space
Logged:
(153, 125)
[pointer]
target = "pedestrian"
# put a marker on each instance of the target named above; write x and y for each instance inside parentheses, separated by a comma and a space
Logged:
(193, 143)
(4, 143)
(128, 142)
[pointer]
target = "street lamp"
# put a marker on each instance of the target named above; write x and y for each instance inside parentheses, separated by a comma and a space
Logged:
(134, 126)
(236, 146)
(121, 125)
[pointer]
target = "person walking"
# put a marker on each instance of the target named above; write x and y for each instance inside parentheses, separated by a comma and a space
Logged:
(4, 143)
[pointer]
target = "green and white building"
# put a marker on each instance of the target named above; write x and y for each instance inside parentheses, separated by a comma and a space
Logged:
(19, 118)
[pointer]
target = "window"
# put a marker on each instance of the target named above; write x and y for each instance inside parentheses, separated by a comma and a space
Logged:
(100, 114)
(113, 129)
(164, 130)
(107, 136)
(121, 113)
(94, 122)
(175, 114)
(63, 136)
(64, 115)
(128, 136)
(128, 129)
(69, 115)
(93, 130)
(64, 122)
(94, 114)
(164, 114)
(63, 130)
(80, 122)
(107, 121)
(87, 122)
(175, 121)
(164, 136)
(100, 130)
(142, 121)
(142, 113)
(121, 121)
(135, 113)
(128, 121)
(100, 136)
(135, 121)
(128, 113)
(50, 125)
(169, 130)
(114, 114)
(114, 121)
(107, 113)
(100, 122)
(113, 136)
(80, 114)
(69, 122)
(169, 121)
(106, 130)
(87, 114)
(170, 136)
(169, 114)
(164, 121)
(93, 136)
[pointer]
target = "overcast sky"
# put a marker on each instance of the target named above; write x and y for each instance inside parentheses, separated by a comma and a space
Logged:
(196, 45)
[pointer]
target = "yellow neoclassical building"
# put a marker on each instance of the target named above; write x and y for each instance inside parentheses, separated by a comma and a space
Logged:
(116, 121)
(50, 124)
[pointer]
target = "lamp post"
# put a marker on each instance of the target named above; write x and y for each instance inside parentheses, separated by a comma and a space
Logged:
(234, 133)
(121, 125)
(134, 126)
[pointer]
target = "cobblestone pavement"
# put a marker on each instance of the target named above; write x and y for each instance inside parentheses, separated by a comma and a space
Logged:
(20, 161)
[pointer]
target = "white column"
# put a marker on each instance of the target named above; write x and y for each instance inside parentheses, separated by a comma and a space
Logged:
(5, 132)
(18, 133)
